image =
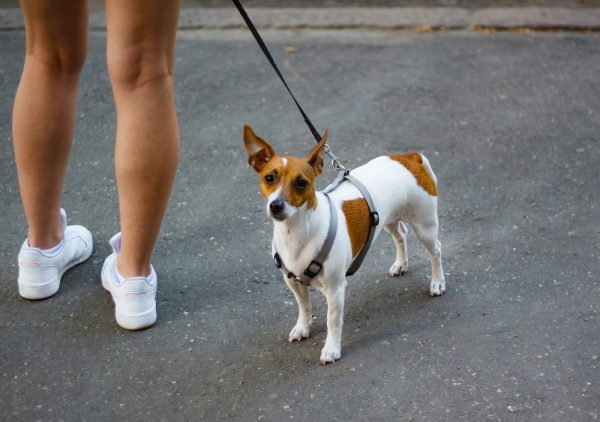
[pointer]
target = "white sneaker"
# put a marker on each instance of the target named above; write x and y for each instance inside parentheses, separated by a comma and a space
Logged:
(135, 297)
(40, 272)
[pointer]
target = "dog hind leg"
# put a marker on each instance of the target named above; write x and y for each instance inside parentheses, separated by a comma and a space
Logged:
(427, 233)
(398, 231)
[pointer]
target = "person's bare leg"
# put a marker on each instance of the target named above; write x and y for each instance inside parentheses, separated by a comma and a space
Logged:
(44, 110)
(140, 50)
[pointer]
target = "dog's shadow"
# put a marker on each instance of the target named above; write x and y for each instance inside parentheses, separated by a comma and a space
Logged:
(379, 308)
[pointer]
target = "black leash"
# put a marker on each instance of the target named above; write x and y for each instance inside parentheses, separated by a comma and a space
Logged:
(267, 53)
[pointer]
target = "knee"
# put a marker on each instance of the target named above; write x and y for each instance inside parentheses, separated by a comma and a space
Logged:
(136, 66)
(62, 60)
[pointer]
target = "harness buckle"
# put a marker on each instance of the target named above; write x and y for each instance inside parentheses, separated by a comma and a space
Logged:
(374, 218)
(277, 260)
(313, 269)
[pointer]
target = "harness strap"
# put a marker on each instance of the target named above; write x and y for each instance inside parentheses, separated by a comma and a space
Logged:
(373, 222)
(316, 264)
(373, 216)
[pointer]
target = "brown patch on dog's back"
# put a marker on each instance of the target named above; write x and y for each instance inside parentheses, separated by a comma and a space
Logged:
(356, 212)
(413, 162)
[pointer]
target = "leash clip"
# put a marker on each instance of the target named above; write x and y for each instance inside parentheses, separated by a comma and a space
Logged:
(335, 162)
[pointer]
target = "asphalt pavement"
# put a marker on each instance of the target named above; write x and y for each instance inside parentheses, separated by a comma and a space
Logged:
(276, 4)
(511, 126)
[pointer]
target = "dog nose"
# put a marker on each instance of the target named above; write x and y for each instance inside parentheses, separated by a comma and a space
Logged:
(276, 206)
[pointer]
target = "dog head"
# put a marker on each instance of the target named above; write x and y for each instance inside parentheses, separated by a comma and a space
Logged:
(287, 183)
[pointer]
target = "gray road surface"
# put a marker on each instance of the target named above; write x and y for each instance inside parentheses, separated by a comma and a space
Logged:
(511, 125)
(471, 4)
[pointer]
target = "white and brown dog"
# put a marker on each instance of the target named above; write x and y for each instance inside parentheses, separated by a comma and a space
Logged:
(404, 191)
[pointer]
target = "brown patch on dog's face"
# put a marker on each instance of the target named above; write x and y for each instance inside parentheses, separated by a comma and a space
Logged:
(358, 222)
(294, 176)
(414, 163)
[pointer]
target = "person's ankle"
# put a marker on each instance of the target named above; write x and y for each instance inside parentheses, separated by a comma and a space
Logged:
(127, 270)
(49, 235)
(44, 241)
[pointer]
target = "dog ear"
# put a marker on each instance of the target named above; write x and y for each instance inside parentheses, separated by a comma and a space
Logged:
(316, 155)
(258, 150)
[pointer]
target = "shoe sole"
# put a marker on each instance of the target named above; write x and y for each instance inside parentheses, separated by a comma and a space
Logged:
(131, 322)
(50, 288)
(137, 322)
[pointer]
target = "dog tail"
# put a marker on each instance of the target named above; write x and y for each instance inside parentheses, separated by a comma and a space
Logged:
(429, 169)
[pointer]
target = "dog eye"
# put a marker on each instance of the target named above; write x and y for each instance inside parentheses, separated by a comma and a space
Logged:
(270, 178)
(300, 184)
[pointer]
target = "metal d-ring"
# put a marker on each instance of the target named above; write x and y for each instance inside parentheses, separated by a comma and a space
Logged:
(335, 162)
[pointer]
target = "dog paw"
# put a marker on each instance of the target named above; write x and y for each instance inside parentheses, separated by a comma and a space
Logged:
(398, 268)
(298, 333)
(330, 354)
(437, 287)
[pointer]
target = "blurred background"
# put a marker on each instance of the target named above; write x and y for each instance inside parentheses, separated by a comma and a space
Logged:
(472, 4)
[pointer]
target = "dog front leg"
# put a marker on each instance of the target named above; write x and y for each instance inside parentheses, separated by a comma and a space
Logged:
(302, 328)
(335, 320)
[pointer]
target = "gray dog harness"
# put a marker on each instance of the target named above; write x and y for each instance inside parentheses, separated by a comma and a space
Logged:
(315, 266)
